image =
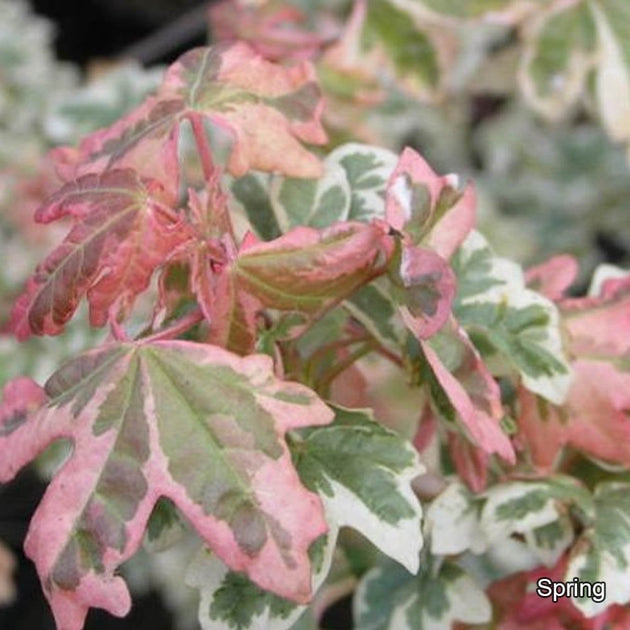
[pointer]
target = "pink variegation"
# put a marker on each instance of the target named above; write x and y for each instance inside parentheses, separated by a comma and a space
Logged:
(268, 110)
(553, 277)
(428, 207)
(308, 269)
(122, 230)
(473, 394)
(428, 290)
(594, 418)
(159, 419)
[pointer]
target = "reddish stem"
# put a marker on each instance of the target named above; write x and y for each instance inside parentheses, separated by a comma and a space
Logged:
(207, 163)
(117, 330)
(177, 328)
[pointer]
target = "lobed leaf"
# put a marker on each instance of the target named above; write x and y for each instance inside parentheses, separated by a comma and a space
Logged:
(511, 326)
(120, 234)
(229, 601)
(190, 422)
(389, 598)
(268, 110)
(362, 472)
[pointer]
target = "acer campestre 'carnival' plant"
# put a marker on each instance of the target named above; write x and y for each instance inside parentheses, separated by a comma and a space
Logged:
(272, 274)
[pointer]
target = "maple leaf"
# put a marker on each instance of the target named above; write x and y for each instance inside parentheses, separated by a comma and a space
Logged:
(122, 230)
(266, 108)
(307, 268)
(187, 421)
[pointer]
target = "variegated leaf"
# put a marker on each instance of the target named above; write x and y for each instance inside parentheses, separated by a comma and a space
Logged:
(389, 598)
(512, 326)
(352, 188)
(375, 307)
(190, 422)
(431, 209)
(267, 109)
(120, 234)
(362, 471)
(463, 392)
(230, 601)
(452, 522)
(557, 57)
(306, 268)
(537, 511)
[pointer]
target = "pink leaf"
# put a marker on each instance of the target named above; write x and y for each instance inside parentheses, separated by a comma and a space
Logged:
(119, 236)
(473, 394)
(269, 110)
(429, 207)
(276, 32)
(307, 269)
(187, 421)
(553, 277)
(471, 462)
(428, 290)
(20, 398)
(594, 418)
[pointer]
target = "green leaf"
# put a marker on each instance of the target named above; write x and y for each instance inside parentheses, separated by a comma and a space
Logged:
(251, 191)
(352, 188)
(388, 598)
(512, 326)
(362, 472)
(467, 9)
(367, 170)
(374, 307)
(317, 203)
(230, 601)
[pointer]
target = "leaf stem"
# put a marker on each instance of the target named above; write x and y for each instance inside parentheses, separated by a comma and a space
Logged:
(178, 327)
(344, 364)
(207, 163)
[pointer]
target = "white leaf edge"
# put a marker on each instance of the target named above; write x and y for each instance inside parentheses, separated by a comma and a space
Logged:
(206, 573)
(513, 292)
(452, 522)
(467, 603)
(373, 201)
(334, 176)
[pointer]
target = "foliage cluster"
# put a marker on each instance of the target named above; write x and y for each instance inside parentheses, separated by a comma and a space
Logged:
(321, 372)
